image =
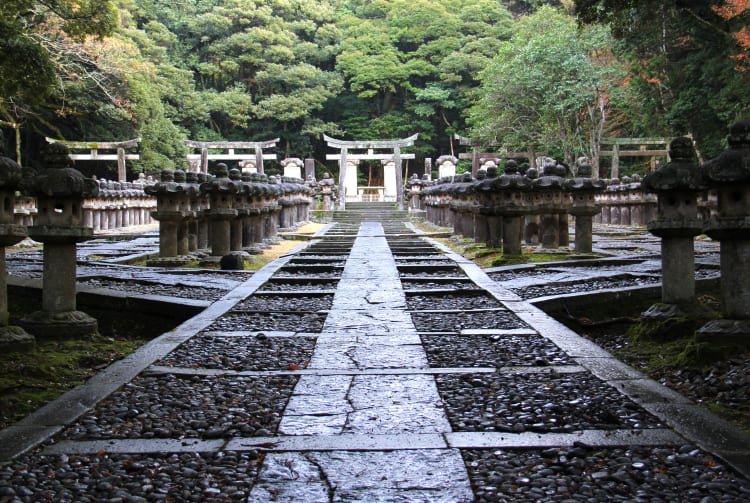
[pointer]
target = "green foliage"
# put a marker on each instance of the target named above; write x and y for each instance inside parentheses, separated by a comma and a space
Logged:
(682, 78)
(545, 88)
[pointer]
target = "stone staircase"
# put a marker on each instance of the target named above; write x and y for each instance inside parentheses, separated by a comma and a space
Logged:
(383, 212)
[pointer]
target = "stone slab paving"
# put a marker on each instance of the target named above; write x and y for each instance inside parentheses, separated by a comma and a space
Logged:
(354, 411)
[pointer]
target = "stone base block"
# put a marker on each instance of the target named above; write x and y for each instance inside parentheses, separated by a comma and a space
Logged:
(661, 312)
(234, 261)
(60, 325)
(177, 261)
(14, 338)
(726, 333)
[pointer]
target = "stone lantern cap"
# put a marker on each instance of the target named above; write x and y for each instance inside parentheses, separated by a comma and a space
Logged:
(10, 174)
(583, 182)
(64, 183)
(59, 179)
(511, 179)
(222, 183)
(681, 173)
(732, 165)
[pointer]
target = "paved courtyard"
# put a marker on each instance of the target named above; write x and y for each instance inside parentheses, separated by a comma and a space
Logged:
(372, 365)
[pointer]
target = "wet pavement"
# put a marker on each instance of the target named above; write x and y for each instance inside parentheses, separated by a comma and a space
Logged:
(373, 365)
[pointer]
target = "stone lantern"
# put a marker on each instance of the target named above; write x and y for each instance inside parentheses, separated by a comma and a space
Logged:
(327, 188)
(221, 192)
(11, 337)
(729, 175)
(488, 199)
(462, 195)
(551, 204)
(510, 187)
(171, 203)
(676, 185)
(584, 206)
(60, 191)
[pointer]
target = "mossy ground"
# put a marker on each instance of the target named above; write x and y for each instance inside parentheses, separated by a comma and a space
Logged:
(32, 378)
(666, 351)
(29, 379)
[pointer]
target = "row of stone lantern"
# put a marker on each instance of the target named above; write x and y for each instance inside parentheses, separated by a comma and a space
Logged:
(677, 185)
(60, 191)
(229, 213)
(119, 205)
(503, 210)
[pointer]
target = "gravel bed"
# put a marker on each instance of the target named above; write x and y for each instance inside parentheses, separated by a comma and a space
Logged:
(298, 273)
(422, 261)
(168, 406)
(427, 284)
(263, 302)
(257, 352)
(455, 322)
(590, 285)
(430, 274)
(297, 286)
(582, 474)
(141, 288)
(520, 273)
(294, 322)
(725, 384)
(537, 402)
(338, 261)
(207, 477)
(491, 351)
(452, 302)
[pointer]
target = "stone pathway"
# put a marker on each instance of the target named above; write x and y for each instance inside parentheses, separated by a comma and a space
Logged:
(385, 402)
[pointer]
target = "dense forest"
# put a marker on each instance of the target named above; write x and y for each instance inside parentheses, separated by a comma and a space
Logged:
(549, 75)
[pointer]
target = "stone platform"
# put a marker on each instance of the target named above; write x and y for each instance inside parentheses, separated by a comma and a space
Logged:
(383, 402)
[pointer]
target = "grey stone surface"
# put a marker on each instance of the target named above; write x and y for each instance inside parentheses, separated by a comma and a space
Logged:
(408, 476)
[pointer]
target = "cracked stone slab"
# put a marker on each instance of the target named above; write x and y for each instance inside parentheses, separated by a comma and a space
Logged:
(330, 424)
(368, 355)
(408, 476)
(396, 404)
(344, 442)
(381, 321)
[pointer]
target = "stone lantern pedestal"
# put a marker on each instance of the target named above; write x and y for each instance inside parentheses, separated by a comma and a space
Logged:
(584, 207)
(511, 206)
(60, 191)
(172, 203)
(220, 213)
(11, 337)
(553, 203)
(729, 175)
(676, 184)
(327, 188)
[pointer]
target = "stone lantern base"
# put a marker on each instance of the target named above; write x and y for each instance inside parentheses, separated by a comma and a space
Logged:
(662, 311)
(725, 332)
(177, 261)
(60, 325)
(14, 338)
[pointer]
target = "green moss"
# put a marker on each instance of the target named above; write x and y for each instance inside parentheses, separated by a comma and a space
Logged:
(30, 379)
(664, 330)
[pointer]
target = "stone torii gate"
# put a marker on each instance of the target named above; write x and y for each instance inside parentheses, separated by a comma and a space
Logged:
(477, 154)
(370, 145)
(616, 153)
(230, 147)
(95, 146)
